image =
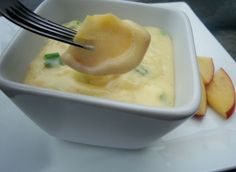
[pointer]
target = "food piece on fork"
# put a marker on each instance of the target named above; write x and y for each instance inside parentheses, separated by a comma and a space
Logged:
(120, 46)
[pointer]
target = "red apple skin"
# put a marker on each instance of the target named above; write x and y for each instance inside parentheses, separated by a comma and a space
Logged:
(231, 109)
(230, 112)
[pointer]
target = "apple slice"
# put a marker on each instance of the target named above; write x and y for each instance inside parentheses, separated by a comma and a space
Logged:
(206, 67)
(203, 105)
(221, 94)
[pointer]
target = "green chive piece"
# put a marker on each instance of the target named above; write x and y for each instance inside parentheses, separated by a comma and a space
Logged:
(51, 56)
(141, 70)
(162, 32)
(73, 24)
(52, 60)
(162, 97)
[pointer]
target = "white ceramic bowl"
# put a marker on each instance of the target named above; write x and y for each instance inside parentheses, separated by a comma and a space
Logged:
(97, 121)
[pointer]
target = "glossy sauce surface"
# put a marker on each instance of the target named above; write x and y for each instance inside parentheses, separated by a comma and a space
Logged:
(152, 83)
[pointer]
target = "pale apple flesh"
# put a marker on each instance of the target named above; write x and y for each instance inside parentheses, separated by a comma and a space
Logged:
(221, 94)
(120, 46)
(203, 105)
(206, 67)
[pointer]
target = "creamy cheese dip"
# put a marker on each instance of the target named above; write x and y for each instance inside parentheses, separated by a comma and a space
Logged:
(151, 83)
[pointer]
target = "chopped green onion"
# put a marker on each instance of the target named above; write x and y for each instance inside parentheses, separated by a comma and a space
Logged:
(162, 32)
(162, 97)
(51, 56)
(52, 60)
(141, 70)
(73, 24)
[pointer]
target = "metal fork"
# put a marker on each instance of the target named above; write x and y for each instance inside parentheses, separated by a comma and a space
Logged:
(17, 13)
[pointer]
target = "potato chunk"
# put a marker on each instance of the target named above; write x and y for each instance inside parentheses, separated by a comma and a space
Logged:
(120, 46)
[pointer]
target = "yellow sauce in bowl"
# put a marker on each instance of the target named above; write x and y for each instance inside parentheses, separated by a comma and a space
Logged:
(151, 83)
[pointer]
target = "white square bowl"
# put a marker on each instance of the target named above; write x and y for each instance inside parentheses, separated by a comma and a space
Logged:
(93, 120)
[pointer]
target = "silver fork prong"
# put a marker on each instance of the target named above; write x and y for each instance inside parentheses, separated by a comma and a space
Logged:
(24, 18)
(32, 28)
(44, 21)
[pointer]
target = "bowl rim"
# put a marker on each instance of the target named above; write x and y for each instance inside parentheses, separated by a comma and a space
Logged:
(169, 114)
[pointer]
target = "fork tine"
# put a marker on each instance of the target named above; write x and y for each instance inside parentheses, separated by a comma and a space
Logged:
(42, 31)
(19, 15)
(48, 23)
(33, 23)
(39, 23)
